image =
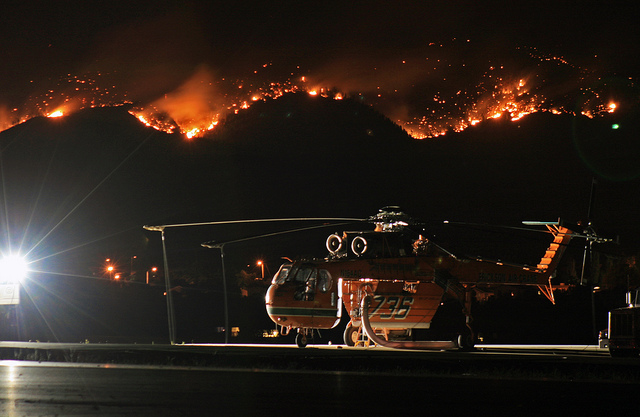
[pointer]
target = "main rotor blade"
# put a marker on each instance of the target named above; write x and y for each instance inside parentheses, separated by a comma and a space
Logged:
(214, 245)
(291, 219)
(491, 226)
(589, 237)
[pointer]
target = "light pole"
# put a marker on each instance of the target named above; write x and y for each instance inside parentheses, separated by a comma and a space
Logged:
(131, 274)
(167, 282)
(261, 265)
(224, 288)
(153, 269)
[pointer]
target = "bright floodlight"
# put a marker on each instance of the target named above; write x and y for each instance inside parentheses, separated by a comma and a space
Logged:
(13, 268)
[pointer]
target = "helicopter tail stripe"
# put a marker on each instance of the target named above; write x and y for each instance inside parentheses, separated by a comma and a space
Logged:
(302, 312)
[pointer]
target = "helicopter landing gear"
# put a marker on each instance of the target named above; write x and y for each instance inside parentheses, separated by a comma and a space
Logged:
(467, 340)
(301, 340)
(351, 335)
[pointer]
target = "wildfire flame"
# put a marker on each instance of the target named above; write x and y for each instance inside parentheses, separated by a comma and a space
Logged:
(202, 102)
(57, 113)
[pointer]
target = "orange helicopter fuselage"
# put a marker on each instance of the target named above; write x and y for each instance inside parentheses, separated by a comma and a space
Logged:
(406, 291)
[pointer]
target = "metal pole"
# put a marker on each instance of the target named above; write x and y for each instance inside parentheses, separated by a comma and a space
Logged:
(587, 247)
(224, 289)
(589, 232)
(167, 282)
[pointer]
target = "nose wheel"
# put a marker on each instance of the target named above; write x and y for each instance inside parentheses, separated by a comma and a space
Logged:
(351, 335)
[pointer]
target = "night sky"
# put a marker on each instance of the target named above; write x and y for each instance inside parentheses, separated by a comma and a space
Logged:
(66, 37)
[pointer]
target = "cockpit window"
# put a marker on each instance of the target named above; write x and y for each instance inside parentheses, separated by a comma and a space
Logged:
(298, 273)
(305, 273)
(282, 274)
(324, 280)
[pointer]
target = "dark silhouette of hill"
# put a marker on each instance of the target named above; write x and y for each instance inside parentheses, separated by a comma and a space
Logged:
(524, 169)
(78, 189)
(99, 173)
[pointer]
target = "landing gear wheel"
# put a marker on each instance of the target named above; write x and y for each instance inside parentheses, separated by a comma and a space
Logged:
(301, 340)
(351, 335)
(466, 341)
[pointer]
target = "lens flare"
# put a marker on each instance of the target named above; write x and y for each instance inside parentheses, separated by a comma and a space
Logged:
(13, 268)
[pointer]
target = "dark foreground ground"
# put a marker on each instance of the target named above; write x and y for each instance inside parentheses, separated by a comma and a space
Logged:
(49, 388)
(248, 380)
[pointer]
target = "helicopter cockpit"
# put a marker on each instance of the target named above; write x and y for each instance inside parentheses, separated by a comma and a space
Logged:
(308, 277)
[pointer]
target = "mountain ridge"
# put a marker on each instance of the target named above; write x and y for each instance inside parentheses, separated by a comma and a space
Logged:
(101, 172)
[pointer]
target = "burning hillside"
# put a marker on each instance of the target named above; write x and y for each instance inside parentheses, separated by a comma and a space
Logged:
(433, 91)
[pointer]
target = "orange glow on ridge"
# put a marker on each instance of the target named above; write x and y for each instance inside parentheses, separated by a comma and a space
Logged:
(203, 100)
(57, 113)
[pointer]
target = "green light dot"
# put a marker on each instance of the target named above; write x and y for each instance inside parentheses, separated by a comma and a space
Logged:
(615, 126)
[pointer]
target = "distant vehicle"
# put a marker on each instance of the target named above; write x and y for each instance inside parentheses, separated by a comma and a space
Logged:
(624, 327)
(603, 339)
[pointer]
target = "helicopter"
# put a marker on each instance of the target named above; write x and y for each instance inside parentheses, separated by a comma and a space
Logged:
(392, 280)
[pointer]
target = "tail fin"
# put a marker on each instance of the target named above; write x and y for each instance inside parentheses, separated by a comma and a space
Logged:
(562, 233)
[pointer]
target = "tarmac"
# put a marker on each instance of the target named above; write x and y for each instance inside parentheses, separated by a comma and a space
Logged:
(585, 362)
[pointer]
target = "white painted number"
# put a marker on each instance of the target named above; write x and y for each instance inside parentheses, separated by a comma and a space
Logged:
(391, 307)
